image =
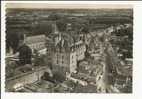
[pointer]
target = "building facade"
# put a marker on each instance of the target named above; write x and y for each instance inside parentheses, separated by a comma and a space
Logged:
(64, 52)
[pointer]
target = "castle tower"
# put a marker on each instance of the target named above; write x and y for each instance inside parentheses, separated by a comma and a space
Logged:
(55, 29)
(68, 27)
(56, 33)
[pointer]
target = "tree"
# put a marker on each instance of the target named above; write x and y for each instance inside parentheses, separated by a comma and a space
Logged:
(12, 40)
(59, 76)
(61, 24)
(45, 28)
(54, 17)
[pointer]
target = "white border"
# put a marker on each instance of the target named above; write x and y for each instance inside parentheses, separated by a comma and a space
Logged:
(137, 67)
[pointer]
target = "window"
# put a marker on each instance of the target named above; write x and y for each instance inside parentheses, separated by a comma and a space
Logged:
(72, 49)
(62, 59)
(57, 58)
(99, 78)
(57, 61)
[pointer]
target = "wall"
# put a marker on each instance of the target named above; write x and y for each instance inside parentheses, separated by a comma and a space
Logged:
(61, 60)
(80, 52)
(73, 62)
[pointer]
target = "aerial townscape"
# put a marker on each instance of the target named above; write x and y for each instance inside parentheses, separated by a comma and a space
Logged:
(69, 50)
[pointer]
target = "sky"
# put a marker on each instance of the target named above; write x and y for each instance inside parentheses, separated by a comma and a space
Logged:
(67, 6)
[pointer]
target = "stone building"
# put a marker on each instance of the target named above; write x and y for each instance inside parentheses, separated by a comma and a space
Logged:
(36, 42)
(63, 51)
(21, 78)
